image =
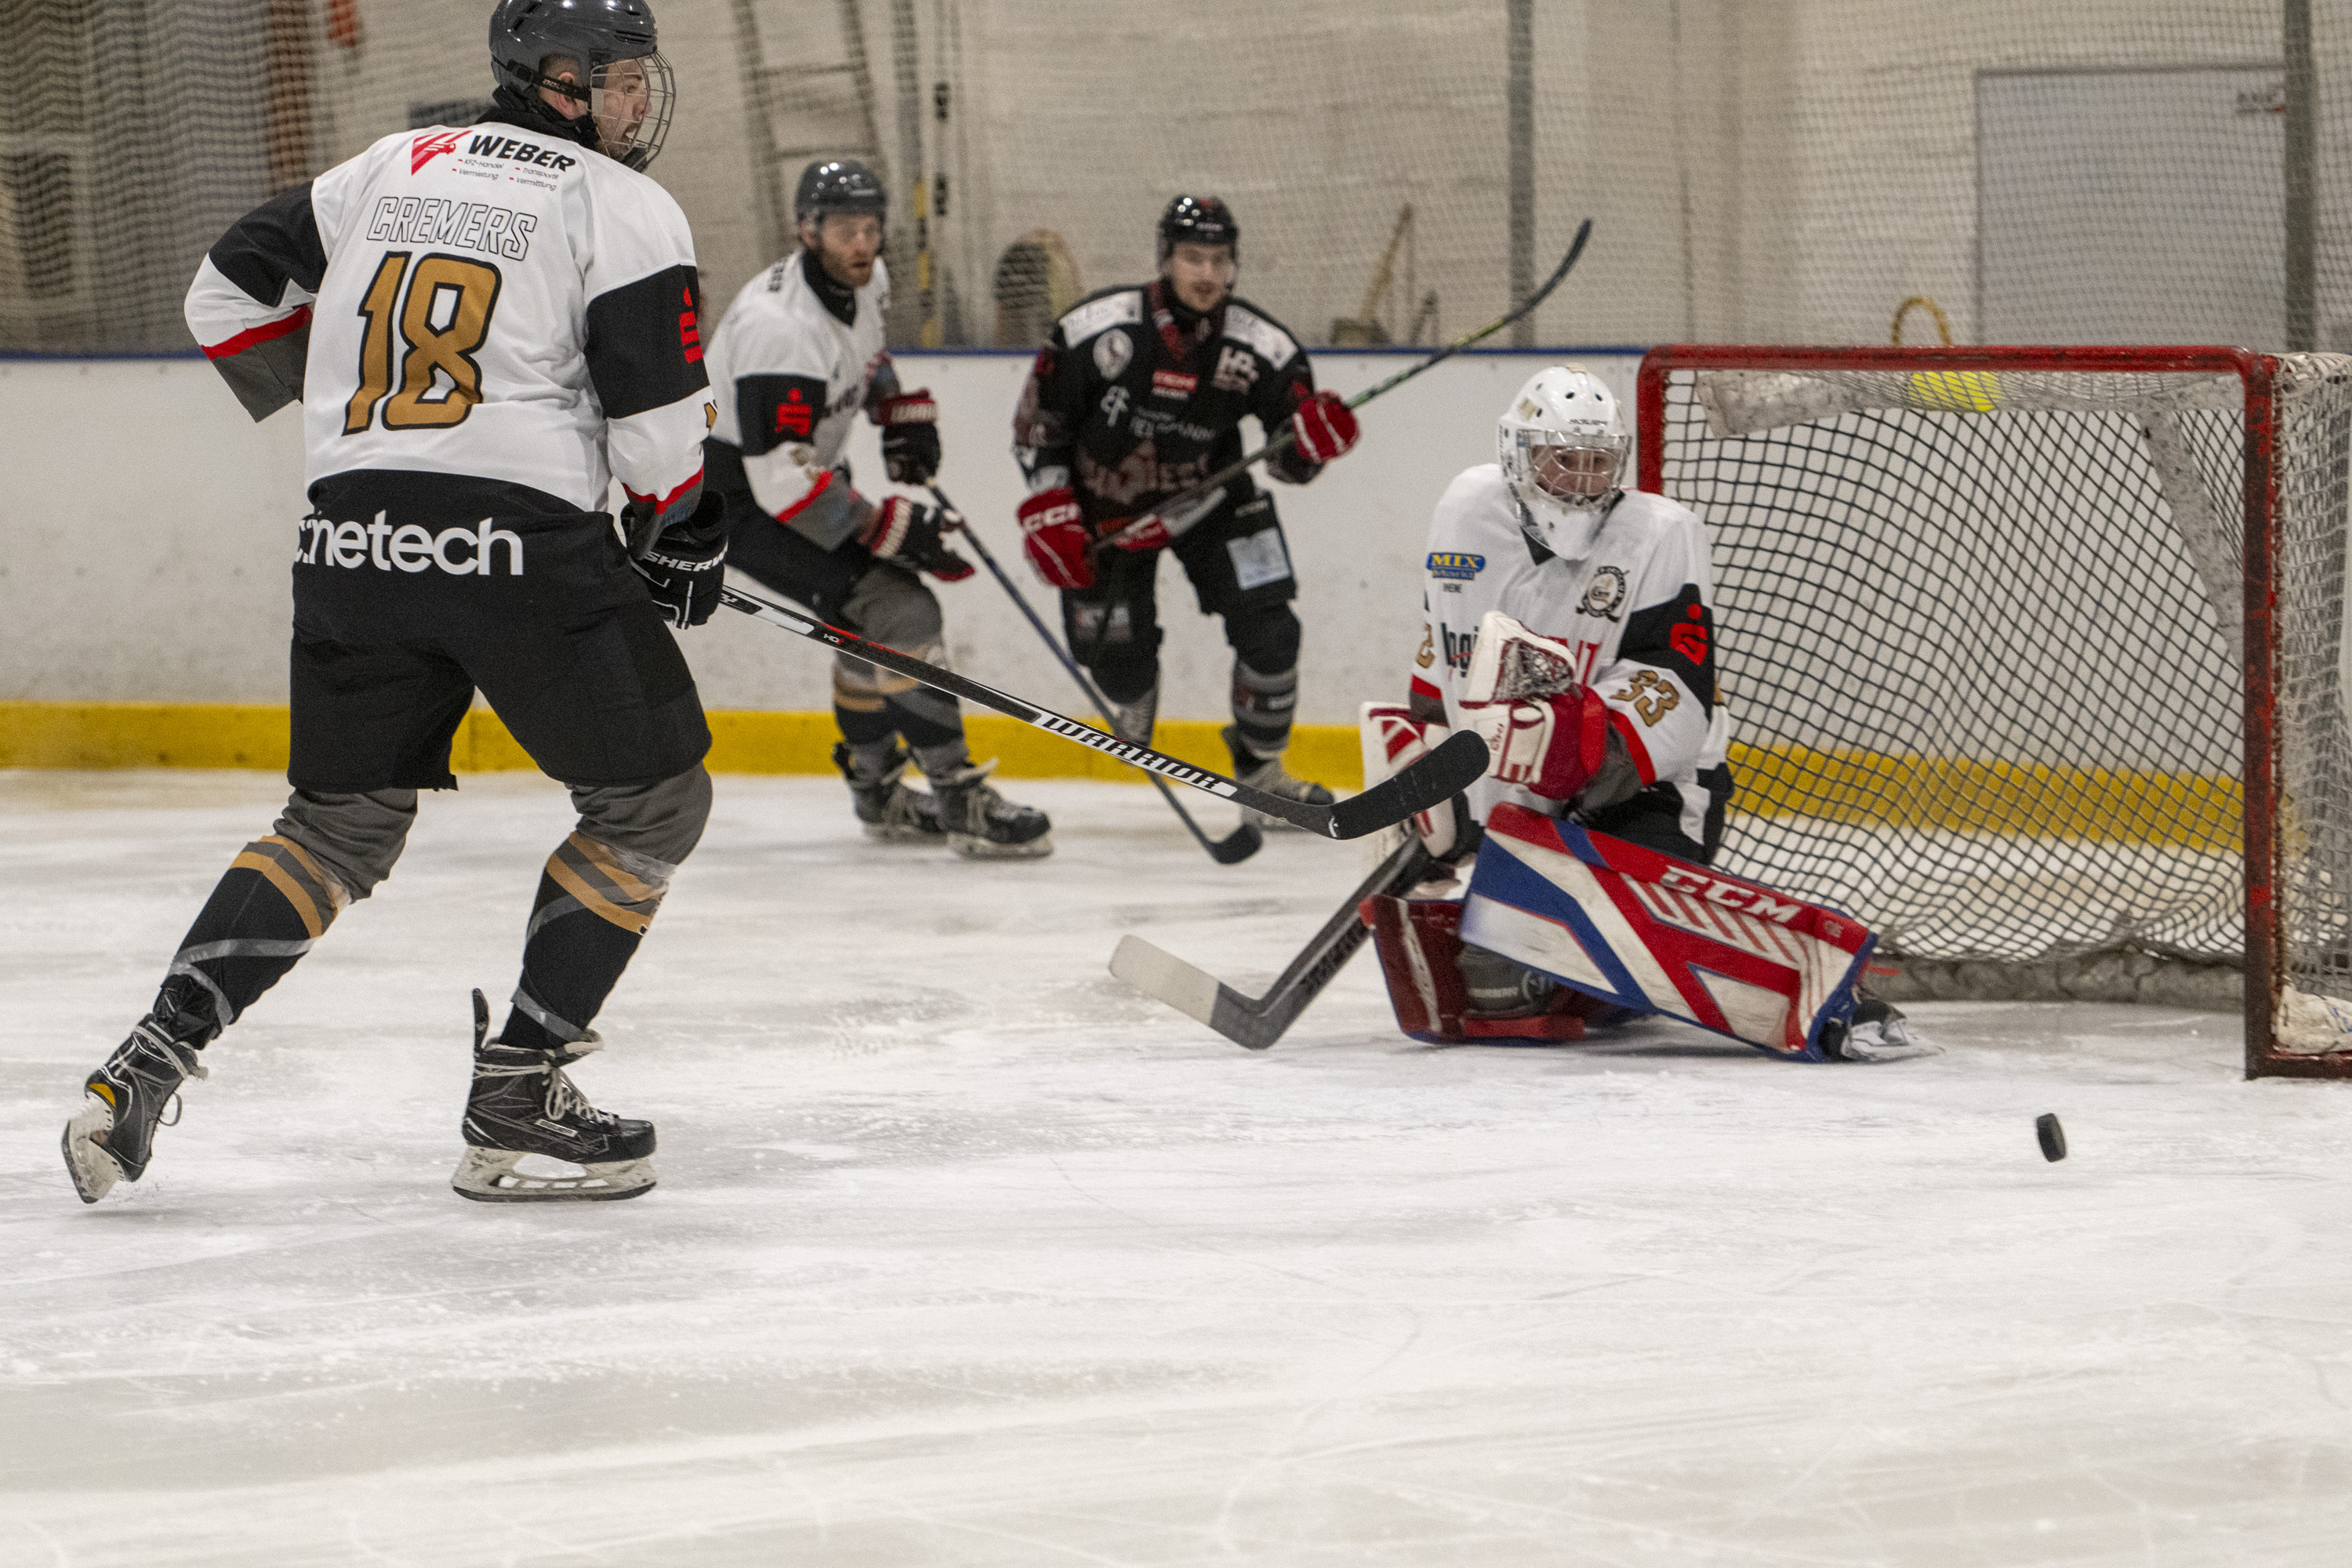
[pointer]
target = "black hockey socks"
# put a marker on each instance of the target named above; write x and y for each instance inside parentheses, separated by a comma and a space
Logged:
(1263, 706)
(593, 907)
(272, 904)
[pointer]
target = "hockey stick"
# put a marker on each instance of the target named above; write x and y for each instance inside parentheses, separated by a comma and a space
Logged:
(1288, 433)
(1440, 776)
(1256, 1023)
(1232, 849)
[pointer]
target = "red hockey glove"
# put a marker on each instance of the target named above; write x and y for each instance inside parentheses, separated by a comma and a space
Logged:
(908, 533)
(1392, 742)
(911, 437)
(1552, 745)
(1325, 427)
(1055, 537)
(1153, 534)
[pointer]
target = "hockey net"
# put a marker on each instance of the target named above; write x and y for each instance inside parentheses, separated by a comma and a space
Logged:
(2035, 660)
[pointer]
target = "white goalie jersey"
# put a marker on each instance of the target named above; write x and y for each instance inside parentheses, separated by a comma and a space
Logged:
(493, 304)
(1635, 605)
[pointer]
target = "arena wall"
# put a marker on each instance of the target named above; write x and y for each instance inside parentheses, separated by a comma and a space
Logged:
(152, 570)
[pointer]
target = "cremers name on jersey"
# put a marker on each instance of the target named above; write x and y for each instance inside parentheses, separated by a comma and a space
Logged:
(1637, 606)
(493, 304)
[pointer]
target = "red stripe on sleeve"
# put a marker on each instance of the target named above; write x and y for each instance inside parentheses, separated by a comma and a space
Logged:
(253, 337)
(668, 500)
(1634, 747)
(801, 505)
(1421, 688)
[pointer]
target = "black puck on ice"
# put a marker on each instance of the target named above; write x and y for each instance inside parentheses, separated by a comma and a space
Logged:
(2052, 1136)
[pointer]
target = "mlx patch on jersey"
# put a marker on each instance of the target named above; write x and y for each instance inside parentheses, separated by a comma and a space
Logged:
(1456, 564)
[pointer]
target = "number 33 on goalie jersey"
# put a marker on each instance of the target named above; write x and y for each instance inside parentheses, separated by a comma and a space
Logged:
(487, 304)
(1636, 607)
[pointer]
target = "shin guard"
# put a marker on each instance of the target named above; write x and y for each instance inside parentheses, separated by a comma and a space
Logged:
(268, 909)
(593, 907)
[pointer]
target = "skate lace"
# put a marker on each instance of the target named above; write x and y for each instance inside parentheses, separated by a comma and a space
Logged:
(161, 1064)
(565, 1101)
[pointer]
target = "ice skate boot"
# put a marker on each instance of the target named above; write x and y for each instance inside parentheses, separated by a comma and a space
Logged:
(522, 1104)
(982, 824)
(113, 1136)
(1877, 1032)
(1266, 774)
(891, 813)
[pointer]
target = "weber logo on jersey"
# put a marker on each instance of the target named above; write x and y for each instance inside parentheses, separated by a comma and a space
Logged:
(1456, 564)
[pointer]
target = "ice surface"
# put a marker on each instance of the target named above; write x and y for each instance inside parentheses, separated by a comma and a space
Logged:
(966, 1254)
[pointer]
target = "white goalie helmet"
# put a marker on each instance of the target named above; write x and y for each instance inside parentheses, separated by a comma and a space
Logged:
(1562, 446)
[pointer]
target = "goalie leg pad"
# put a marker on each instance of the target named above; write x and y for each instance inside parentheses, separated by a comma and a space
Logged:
(1644, 930)
(1420, 945)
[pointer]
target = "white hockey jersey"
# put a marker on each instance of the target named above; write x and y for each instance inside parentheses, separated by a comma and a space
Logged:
(790, 376)
(494, 304)
(1636, 605)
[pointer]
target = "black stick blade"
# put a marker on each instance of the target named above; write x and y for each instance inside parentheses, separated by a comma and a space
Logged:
(1438, 777)
(1235, 847)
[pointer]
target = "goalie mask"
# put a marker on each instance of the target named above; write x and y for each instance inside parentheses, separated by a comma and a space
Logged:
(1562, 446)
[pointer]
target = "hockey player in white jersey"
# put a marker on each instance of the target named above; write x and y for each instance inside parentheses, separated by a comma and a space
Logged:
(483, 328)
(799, 353)
(1614, 589)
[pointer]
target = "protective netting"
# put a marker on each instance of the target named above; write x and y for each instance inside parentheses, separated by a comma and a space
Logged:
(2107, 170)
(1981, 644)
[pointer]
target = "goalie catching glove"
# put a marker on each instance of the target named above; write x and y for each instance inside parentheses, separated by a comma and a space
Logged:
(907, 532)
(1545, 730)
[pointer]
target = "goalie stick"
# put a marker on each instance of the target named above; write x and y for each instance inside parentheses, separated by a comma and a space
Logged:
(1445, 773)
(1232, 849)
(1257, 1022)
(1170, 509)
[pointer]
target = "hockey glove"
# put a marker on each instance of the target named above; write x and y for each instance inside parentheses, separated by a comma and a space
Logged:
(908, 534)
(685, 565)
(1325, 428)
(911, 437)
(1054, 536)
(1448, 830)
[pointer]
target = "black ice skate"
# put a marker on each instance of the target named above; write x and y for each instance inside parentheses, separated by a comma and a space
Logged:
(1877, 1032)
(112, 1137)
(982, 824)
(891, 813)
(1267, 774)
(522, 1104)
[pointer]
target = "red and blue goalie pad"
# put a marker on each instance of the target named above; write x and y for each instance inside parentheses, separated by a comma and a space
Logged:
(1660, 935)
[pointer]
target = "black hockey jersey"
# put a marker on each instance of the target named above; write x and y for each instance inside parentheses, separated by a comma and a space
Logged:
(1129, 403)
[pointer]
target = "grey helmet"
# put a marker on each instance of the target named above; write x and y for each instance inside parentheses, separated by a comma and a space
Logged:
(838, 186)
(629, 90)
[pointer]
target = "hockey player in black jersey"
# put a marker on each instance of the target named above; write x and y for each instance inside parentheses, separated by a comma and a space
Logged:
(799, 353)
(483, 328)
(1137, 395)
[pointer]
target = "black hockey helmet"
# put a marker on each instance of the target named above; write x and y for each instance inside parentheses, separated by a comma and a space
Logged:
(629, 111)
(1199, 220)
(838, 186)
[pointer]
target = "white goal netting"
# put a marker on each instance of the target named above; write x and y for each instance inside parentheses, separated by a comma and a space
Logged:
(1984, 637)
(1788, 172)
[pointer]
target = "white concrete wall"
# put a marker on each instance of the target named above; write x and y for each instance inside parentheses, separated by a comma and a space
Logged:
(145, 542)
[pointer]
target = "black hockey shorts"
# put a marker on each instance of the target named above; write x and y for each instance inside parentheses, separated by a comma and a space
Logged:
(1653, 818)
(407, 599)
(1238, 563)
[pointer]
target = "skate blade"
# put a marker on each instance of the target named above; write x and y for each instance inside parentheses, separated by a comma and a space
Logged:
(488, 1176)
(891, 833)
(974, 847)
(93, 1170)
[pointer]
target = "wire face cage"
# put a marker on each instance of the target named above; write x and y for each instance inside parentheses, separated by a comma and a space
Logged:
(2035, 660)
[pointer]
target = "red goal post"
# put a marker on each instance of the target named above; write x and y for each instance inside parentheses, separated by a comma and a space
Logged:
(2037, 661)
